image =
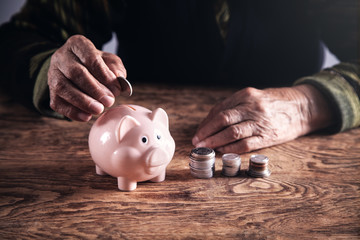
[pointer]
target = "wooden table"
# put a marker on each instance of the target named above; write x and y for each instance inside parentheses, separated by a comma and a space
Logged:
(49, 189)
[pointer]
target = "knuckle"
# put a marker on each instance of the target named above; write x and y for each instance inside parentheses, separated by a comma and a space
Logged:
(225, 118)
(96, 92)
(76, 39)
(261, 106)
(67, 111)
(111, 58)
(57, 58)
(57, 86)
(251, 90)
(93, 62)
(246, 146)
(77, 72)
(248, 92)
(90, 87)
(71, 113)
(73, 99)
(115, 62)
(235, 132)
(53, 104)
(54, 58)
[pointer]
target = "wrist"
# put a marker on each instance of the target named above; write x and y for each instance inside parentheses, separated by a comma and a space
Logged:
(315, 110)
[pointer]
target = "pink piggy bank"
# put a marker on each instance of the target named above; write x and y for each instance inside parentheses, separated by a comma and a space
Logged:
(133, 144)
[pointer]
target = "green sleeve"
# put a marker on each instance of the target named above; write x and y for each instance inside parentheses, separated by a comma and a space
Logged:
(41, 98)
(338, 28)
(341, 86)
(35, 33)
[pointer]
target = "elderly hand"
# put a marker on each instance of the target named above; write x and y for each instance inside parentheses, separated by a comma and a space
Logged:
(252, 119)
(82, 79)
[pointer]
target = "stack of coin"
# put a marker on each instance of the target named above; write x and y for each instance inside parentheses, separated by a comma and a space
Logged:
(231, 164)
(202, 162)
(258, 166)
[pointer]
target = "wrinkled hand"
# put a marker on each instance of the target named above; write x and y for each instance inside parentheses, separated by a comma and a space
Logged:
(82, 79)
(252, 119)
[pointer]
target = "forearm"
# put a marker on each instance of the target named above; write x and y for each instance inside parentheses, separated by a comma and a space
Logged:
(33, 35)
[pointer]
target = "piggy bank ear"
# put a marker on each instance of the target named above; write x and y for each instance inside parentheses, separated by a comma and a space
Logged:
(124, 126)
(159, 115)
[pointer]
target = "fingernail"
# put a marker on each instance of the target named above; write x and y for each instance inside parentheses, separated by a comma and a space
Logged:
(107, 101)
(97, 107)
(200, 144)
(84, 116)
(195, 140)
(120, 74)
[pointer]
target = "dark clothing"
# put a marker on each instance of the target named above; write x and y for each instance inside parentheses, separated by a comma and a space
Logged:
(268, 43)
(258, 43)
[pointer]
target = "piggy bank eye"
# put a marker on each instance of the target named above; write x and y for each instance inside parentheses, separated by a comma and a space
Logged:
(144, 139)
(157, 134)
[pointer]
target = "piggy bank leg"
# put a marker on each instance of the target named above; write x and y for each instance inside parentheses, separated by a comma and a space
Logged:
(125, 184)
(99, 171)
(159, 178)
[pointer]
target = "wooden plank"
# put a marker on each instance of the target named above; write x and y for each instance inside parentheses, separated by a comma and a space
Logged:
(49, 189)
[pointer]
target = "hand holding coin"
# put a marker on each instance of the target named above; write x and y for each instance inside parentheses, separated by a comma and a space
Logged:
(83, 80)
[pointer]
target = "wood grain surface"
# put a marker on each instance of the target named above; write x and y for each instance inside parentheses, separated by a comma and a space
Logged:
(49, 189)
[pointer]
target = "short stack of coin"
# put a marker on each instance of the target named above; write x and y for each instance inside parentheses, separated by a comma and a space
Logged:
(258, 166)
(202, 162)
(231, 164)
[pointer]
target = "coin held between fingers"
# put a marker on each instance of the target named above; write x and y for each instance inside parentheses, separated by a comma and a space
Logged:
(126, 88)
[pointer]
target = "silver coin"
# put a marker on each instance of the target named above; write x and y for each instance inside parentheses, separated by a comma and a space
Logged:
(258, 174)
(231, 164)
(231, 160)
(202, 153)
(259, 159)
(202, 173)
(202, 164)
(258, 166)
(126, 88)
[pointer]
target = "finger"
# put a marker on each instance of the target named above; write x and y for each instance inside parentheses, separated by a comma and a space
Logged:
(67, 91)
(215, 110)
(230, 134)
(239, 98)
(220, 121)
(92, 59)
(115, 64)
(244, 145)
(84, 81)
(61, 106)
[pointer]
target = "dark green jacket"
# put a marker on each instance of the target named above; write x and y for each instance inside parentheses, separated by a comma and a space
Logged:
(238, 43)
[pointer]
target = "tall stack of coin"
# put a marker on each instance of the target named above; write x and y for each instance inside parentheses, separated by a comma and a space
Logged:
(202, 162)
(258, 166)
(231, 164)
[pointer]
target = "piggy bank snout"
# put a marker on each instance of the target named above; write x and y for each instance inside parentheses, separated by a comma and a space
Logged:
(157, 157)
